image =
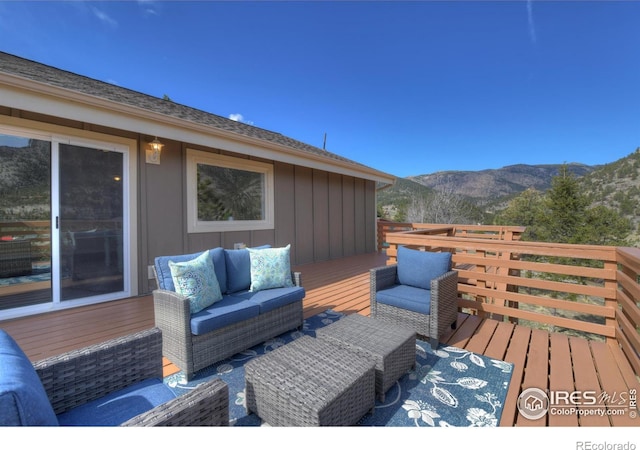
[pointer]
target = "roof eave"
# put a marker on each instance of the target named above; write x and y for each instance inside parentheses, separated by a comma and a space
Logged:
(140, 120)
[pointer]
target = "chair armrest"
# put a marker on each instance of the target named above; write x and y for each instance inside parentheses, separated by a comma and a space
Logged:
(445, 286)
(79, 376)
(296, 277)
(444, 302)
(380, 278)
(206, 405)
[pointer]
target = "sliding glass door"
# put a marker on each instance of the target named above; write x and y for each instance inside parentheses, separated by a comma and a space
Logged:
(63, 221)
(89, 221)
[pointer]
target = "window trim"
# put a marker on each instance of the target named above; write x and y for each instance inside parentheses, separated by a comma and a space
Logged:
(195, 157)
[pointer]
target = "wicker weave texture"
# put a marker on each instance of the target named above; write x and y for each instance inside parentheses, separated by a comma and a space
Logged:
(15, 258)
(310, 382)
(77, 377)
(444, 304)
(194, 352)
(391, 347)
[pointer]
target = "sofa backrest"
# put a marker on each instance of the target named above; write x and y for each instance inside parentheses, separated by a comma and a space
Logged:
(232, 267)
(165, 281)
(23, 400)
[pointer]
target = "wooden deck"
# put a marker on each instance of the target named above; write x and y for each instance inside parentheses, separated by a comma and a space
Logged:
(542, 360)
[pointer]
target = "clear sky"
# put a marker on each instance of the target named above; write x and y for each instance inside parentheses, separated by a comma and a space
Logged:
(408, 88)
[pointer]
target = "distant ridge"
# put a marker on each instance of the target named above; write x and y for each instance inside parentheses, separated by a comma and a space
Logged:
(493, 184)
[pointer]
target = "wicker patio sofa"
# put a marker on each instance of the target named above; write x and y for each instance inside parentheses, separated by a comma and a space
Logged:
(117, 382)
(419, 292)
(241, 319)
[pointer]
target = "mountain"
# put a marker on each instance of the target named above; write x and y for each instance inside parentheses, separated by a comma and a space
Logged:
(493, 184)
(615, 185)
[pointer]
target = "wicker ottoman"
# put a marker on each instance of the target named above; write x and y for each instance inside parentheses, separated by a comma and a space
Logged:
(391, 347)
(310, 382)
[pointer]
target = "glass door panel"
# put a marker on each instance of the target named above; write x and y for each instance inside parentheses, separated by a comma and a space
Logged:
(25, 222)
(90, 221)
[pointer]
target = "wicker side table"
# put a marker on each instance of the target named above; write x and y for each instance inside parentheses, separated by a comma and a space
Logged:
(15, 258)
(393, 348)
(310, 382)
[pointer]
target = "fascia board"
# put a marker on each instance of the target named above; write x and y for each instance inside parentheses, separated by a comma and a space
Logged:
(21, 93)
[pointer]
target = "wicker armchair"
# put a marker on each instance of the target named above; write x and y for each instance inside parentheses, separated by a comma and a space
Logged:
(81, 376)
(429, 306)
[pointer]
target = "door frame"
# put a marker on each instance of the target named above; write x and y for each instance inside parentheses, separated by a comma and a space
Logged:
(129, 147)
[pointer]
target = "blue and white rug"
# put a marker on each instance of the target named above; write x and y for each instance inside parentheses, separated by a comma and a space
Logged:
(448, 386)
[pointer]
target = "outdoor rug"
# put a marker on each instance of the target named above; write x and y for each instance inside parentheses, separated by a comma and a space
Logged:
(448, 386)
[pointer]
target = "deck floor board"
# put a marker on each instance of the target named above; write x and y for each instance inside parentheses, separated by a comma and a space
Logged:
(343, 285)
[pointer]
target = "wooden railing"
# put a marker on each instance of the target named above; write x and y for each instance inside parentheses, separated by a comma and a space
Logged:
(37, 231)
(588, 290)
(509, 233)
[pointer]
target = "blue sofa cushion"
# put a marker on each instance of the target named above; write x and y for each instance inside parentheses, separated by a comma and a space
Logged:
(417, 268)
(238, 263)
(271, 299)
(196, 280)
(120, 406)
(165, 280)
(227, 311)
(23, 400)
(406, 297)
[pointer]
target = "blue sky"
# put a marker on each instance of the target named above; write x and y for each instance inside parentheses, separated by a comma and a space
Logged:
(404, 87)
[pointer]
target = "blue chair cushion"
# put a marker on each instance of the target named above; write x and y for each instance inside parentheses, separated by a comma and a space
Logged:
(227, 311)
(406, 297)
(417, 268)
(238, 263)
(271, 299)
(23, 400)
(120, 406)
(165, 280)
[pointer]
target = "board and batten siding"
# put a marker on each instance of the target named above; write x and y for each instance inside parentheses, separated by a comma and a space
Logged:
(323, 215)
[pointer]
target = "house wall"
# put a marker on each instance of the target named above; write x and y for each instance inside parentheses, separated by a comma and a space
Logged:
(323, 215)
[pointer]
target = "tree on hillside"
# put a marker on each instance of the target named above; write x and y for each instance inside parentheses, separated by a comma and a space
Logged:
(443, 206)
(563, 215)
(525, 210)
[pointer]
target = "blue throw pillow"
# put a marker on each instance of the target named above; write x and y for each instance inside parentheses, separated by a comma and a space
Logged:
(196, 280)
(23, 400)
(417, 268)
(270, 268)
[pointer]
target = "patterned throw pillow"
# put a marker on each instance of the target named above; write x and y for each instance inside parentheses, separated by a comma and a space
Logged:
(270, 268)
(196, 280)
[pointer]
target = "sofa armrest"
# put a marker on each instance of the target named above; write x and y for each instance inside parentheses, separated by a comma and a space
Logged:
(206, 405)
(79, 376)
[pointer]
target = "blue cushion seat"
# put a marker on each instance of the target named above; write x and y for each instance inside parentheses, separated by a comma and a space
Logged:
(406, 297)
(23, 400)
(120, 406)
(271, 299)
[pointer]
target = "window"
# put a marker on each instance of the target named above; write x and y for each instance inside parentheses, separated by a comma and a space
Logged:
(226, 193)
